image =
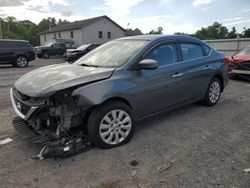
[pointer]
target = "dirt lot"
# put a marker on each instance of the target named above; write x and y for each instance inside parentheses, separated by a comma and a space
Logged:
(194, 146)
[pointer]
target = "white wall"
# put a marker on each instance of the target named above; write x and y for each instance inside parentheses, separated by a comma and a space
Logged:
(229, 46)
(64, 35)
(90, 34)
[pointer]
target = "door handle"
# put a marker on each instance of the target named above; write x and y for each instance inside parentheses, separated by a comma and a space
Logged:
(176, 75)
(207, 67)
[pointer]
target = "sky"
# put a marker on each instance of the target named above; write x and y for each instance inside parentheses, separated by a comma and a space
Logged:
(173, 15)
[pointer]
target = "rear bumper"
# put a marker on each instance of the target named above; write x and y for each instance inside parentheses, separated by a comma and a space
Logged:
(235, 71)
(31, 55)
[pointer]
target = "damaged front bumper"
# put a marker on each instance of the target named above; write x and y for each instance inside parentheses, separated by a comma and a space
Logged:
(56, 122)
(20, 108)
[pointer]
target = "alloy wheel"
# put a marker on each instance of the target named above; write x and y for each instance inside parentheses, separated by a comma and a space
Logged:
(21, 61)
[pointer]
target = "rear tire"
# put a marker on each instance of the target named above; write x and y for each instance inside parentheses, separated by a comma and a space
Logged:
(45, 55)
(213, 92)
(111, 125)
(21, 61)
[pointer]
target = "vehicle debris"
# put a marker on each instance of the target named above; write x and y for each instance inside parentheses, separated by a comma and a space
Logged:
(247, 170)
(63, 148)
(5, 141)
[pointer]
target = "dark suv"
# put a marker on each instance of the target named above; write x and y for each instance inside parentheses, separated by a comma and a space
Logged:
(16, 52)
(106, 91)
(51, 49)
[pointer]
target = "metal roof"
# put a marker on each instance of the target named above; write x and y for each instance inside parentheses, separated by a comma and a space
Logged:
(78, 25)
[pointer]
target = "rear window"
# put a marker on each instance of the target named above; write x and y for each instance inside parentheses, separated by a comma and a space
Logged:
(14, 44)
(191, 51)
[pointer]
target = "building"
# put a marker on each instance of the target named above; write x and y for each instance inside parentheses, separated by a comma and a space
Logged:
(94, 30)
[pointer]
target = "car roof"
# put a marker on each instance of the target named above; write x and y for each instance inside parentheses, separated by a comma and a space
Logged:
(12, 40)
(162, 38)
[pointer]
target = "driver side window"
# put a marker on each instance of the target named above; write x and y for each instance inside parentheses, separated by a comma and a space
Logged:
(164, 54)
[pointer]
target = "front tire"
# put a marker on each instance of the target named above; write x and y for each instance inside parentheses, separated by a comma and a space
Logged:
(213, 92)
(45, 55)
(111, 125)
(21, 61)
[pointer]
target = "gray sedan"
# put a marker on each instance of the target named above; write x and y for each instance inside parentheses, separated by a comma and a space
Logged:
(104, 94)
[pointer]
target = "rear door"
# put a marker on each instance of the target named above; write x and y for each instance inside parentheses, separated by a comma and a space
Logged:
(57, 49)
(194, 70)
(6, 51)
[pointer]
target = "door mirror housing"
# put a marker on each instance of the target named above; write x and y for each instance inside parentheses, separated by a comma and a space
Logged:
(147, 64)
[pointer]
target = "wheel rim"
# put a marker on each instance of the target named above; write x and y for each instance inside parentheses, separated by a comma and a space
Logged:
(214, 92)
(115, 127)
(21, 61)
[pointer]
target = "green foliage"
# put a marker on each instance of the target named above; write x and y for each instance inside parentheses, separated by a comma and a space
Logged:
(232, 34)
(215, 31)
(133, 32)
(27, 30)
(158, 31)
(246, 33)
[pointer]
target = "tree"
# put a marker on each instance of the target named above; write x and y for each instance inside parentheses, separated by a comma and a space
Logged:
(232, 34)
(60, 21)
(158, 31)
(27, 30)
(245, 33)
(133, 32)
(215, 31)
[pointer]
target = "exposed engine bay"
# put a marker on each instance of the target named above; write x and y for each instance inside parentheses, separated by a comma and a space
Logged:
(57, 122)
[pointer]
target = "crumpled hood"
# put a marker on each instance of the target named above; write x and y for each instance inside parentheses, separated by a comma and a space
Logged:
(48, 80)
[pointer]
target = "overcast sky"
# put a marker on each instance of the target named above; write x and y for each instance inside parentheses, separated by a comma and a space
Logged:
(172, 15)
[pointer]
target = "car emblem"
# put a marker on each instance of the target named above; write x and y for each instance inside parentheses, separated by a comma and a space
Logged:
(18, 105)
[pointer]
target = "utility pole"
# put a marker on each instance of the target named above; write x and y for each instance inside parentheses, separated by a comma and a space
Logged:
(1, 31)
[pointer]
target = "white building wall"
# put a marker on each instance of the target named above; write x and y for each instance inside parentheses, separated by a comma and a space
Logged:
(90, 34)
(50, 37)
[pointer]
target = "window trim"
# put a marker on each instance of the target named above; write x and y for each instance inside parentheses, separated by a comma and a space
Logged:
(71, 34)
(100, 34)
(59, 35)
(109, 35)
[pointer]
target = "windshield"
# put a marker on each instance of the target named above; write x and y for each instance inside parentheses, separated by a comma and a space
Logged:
(112, 54)
(50, 44)
(83, 47)
(244, 51)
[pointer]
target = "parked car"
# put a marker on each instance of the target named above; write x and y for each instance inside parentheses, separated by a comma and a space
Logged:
(239, 63)
(52, 49)
(16, 52)
(72, 55)
(107, 91)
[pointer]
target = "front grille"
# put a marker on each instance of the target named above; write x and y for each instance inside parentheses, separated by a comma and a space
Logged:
(23, 108)
(20, 95)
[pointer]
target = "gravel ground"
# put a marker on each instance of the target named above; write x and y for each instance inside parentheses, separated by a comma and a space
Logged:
(195, 146)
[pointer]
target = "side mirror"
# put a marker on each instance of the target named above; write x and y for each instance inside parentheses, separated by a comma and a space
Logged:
(148, 64)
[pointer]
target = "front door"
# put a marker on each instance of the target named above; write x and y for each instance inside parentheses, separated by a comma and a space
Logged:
(158, 89)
